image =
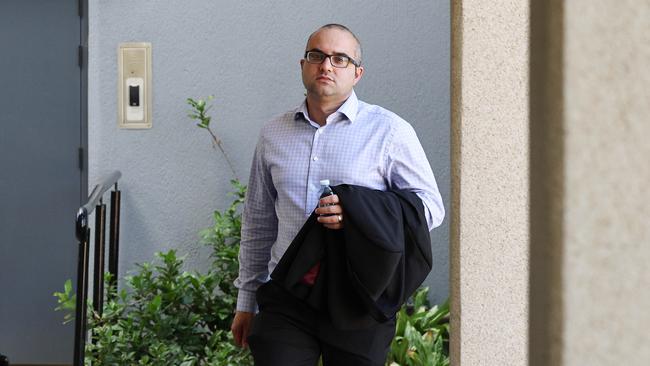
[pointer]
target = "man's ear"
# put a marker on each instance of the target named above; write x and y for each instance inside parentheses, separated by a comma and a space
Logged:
(358, 72)
(302, 62)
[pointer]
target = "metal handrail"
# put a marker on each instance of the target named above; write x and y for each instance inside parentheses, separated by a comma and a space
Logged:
(95, 202)
(96, 194)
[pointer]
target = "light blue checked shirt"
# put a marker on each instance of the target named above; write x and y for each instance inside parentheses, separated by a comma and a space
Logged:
(360, 144)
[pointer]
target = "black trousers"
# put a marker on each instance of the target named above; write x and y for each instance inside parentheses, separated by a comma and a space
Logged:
(288, 332)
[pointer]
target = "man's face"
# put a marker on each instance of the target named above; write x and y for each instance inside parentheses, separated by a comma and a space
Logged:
(324, 80)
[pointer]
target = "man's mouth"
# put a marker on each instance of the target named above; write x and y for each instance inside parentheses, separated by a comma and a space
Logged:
(324, 78)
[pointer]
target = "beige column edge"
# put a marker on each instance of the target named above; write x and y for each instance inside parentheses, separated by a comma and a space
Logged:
(490, 201)
(547, 182)
(589, 157)
(454, 229)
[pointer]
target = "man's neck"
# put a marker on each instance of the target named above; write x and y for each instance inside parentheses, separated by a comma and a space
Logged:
(321, 108)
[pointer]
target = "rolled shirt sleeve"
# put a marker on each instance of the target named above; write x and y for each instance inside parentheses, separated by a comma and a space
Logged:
(408, 168)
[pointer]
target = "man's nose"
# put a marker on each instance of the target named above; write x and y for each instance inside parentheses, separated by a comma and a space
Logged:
(326, 65)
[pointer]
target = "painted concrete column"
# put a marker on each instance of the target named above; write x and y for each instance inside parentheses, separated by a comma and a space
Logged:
(590, 208)
(490, 204)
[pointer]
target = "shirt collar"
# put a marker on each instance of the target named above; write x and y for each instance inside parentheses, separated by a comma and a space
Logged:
(349, 109)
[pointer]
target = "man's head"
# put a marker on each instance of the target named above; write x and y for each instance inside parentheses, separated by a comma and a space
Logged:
(357, 50)
(332, 63)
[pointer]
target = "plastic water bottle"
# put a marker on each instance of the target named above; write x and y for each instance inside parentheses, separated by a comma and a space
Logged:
(325, 190)
(309, 278)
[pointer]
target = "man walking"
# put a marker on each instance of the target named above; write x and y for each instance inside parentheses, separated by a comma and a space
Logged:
(333, 135)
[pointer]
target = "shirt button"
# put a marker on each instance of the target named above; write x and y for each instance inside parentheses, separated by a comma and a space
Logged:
(315, 158)
(320, 132)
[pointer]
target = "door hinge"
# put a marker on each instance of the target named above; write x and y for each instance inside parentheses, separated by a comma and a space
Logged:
(80, 55)
(81, 158)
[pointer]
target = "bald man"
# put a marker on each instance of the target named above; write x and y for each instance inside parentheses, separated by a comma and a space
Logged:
(332, 135)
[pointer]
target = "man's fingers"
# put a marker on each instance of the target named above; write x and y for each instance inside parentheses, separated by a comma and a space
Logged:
(330, 219)
(329, 210)
(244, 338)
(240, 328)
(329, 200)
(240, 336)
(236, 334)
(334, 226)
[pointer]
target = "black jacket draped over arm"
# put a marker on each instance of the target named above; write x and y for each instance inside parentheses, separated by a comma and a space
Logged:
(370, 267)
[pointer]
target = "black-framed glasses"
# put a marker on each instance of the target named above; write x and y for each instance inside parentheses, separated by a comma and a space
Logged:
(340, 61)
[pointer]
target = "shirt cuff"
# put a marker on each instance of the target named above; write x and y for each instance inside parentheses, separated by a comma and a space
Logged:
(246, 301)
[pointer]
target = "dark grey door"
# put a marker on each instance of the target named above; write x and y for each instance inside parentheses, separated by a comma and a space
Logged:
(40, 176)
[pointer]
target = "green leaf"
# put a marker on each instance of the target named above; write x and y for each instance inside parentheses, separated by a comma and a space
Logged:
(68, 286)
(154, 305)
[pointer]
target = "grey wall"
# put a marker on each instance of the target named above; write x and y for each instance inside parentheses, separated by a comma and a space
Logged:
(246, 54)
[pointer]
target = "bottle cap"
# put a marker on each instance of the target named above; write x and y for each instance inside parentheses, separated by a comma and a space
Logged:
(325, 182)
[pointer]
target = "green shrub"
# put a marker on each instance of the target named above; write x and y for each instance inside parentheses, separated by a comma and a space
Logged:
(169, 316)
(421, 334)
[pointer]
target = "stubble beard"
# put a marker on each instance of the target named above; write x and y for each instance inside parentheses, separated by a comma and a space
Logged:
(321, 90)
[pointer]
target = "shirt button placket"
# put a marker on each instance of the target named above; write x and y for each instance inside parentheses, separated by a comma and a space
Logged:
(313, 173)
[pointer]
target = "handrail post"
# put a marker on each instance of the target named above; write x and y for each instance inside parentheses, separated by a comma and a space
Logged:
(100, 236)
(114, 236)
(82, 294)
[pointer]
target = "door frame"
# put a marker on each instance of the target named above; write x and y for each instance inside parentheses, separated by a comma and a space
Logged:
(83, 58)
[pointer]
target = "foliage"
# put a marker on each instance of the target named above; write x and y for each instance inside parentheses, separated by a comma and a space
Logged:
(169, 316)
(224, 237)
(422, 334)
(199, 112)
(67, 301)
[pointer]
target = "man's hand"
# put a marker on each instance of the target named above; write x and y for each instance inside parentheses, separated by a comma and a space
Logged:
(241, 326)
(335, 211)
